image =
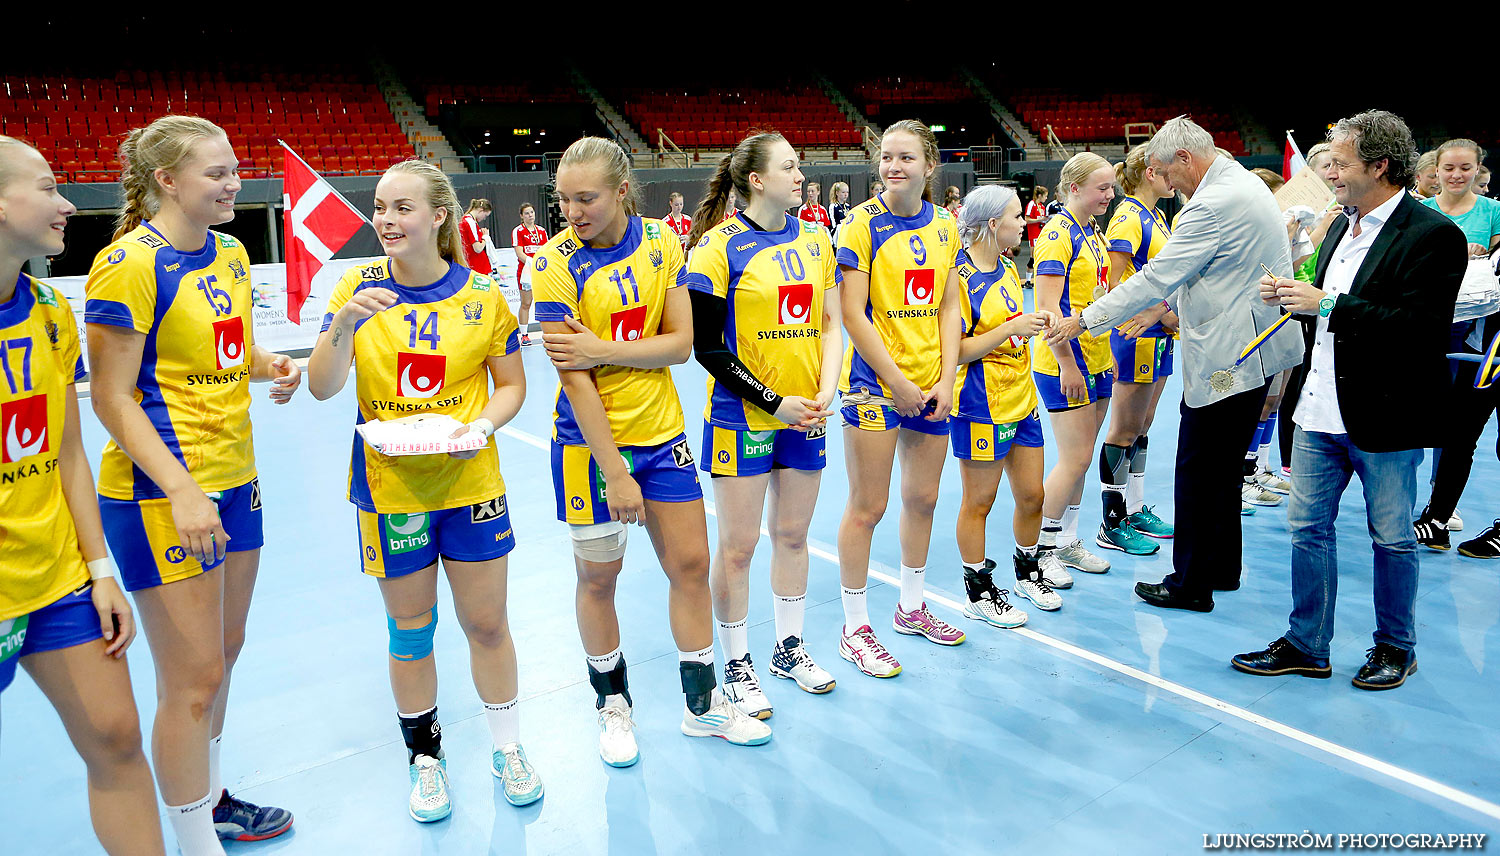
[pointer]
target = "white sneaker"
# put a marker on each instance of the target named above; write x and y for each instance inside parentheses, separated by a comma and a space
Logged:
(994, 609)
(1077, 557)
(1273, 482)
(742, 688)
(723, 719)
(1455, 523)
(791, 660)
(1256, 495)
(617, 733)
(429, 790)
(522, 785)
(1054, 572)
(867, 654)
(1040, 594)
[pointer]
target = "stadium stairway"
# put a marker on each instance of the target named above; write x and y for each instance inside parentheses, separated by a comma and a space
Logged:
(837, 96)
(429, 141)
(609, 115)
(1007, 120)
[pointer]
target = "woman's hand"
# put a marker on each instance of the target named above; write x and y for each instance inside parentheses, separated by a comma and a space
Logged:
(1478, 251)
(623, 495)
(940, 400)
(801, 413)
(199, 530)
(1074, 387)
(286, 378)
(364, 304)
(115, 618)
(578, 350)
(481, 426)
(908, 398)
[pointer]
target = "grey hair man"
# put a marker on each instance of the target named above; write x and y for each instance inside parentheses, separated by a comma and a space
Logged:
(1207, 272)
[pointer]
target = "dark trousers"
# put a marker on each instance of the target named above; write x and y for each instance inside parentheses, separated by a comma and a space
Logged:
(1468, 411)
(1211, 445)
(1286, 427)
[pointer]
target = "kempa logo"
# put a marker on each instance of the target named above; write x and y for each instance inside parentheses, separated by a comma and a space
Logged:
(406, 532)
(757, 444)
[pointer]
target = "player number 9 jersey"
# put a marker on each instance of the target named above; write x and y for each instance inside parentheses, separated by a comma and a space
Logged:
(908, 260)
(425, 355)
(620, 294)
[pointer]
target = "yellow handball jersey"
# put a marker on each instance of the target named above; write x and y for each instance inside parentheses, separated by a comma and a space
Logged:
(774, 283)
(1140, 233)
(194, 382)
(1076, 253)
(996, 388)
(40, 355)
(425, 355)
(907, 259)
(619, 293)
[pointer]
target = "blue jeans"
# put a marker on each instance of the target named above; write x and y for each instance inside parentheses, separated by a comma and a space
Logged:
(1321, 466)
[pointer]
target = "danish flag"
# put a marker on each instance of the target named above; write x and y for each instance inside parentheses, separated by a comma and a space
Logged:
(319, 222)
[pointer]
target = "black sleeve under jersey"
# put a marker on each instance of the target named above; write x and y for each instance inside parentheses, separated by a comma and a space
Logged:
(709, 312)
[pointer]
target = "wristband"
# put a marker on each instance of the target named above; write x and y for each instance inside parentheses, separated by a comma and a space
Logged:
(484, 425)
(101, 569)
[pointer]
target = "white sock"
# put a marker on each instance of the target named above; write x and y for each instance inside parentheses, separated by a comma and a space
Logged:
(976, 567)
(789, 610)
(1263, 456)
(1135, 492)
(1027, 551)
(911, 587)
(193, 824)
(706, 656)
(505, 722)
(734, 638)
(856, 612)
(605, 662)
(1051, 528)
(1070, 525)
(215, 780)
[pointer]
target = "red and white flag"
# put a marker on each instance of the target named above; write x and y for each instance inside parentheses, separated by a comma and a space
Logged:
(319, 222)
(1292, 161)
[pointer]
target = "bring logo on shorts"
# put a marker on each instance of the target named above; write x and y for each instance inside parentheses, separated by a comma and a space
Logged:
(757, 444)
(12, 635)
(406, 532)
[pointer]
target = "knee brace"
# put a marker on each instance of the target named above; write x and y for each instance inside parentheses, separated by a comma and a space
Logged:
(412, 643)
(599, 542)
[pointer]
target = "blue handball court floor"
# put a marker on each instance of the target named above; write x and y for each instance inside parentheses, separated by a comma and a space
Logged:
(1106, 727)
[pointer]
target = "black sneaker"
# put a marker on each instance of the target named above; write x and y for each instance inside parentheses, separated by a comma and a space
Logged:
(237, 820)
(1485, 545)
(1431, 533)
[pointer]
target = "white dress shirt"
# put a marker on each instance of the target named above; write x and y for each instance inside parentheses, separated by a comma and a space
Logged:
(1318, 406)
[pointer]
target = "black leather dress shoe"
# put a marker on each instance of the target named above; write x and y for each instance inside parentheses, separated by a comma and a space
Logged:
(1281, 658)
(1386, 669)
(1159, 595)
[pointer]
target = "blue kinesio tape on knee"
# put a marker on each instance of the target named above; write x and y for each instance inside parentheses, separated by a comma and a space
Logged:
(412, 643)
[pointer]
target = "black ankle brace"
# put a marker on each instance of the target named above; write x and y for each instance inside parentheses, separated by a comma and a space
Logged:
(698, 684)
(609, 683)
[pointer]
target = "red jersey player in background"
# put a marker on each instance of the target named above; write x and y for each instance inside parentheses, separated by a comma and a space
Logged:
(811, 211)
(472, 232)
(526, 238)
(679, 222)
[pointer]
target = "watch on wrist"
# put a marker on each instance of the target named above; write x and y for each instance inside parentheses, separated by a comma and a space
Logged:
(1325, 306)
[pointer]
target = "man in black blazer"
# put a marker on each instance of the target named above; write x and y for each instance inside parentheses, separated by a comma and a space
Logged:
(1377, 319)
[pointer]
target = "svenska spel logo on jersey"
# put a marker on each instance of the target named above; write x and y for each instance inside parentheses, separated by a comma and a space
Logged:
(920, 286)
(795, 303)
(24, 423)
(406, 532)
(628, 325)
(229, 343)
(420, 375)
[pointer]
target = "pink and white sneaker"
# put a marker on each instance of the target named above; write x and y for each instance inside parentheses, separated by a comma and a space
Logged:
(865, 652)
(919, 622)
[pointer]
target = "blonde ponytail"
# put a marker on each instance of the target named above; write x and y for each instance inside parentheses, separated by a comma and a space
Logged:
(164, 144)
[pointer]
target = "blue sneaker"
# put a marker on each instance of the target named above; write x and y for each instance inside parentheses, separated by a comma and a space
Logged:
(522, 785)
(1125, 539)
(1147, 523)
(429, 789)
(237, 820)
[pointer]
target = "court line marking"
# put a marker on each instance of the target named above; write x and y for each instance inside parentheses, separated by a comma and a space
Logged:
(1373, 764)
